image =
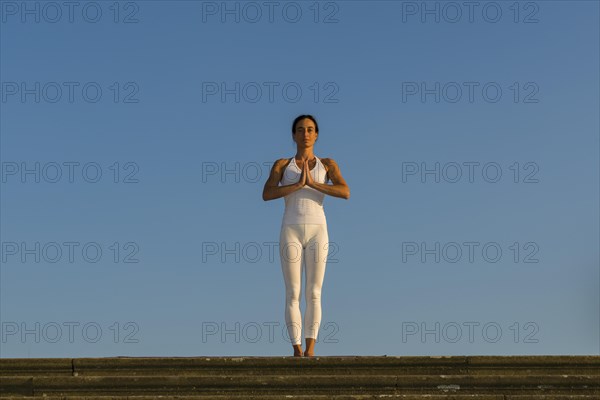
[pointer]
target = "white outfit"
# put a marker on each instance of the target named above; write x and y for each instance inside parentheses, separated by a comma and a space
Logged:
(304, 227)
(304, 206)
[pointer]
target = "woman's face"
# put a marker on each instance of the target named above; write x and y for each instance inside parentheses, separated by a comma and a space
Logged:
(305, 134)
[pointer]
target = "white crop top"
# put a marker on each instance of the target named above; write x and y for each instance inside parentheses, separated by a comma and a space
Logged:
(304, 206)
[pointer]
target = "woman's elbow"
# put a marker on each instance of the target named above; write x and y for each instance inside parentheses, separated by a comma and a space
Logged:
(266, 196)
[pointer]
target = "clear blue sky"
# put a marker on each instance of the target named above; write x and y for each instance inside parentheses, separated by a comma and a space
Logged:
(182, 110)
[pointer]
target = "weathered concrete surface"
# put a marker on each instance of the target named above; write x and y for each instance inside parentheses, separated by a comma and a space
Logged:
(326, 397)
(361, 365)
(347, 377)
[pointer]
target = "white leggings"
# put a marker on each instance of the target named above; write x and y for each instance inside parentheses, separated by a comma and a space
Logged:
(314, 239)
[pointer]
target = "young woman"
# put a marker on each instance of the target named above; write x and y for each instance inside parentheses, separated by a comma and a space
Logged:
(304, 227)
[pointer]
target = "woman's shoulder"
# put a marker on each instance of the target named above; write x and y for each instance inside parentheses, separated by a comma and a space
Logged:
(282, 162)
(328, 162)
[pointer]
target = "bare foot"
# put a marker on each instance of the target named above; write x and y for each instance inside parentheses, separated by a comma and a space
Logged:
(297, 350)
(310, 347)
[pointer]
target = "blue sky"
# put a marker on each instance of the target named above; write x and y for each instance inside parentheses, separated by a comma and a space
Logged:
(135, 142)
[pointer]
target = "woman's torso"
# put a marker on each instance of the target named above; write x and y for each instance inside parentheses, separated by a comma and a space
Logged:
(304, 206)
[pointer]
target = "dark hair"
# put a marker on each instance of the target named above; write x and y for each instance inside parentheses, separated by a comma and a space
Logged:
(301, 117)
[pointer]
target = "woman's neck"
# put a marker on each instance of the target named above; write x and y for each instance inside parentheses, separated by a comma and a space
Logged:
(304, 155)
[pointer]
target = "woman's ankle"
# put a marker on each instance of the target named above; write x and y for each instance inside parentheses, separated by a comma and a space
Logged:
(298, 350)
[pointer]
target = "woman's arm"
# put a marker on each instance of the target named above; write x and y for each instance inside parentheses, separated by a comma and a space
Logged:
(272, 190)
(339, 188)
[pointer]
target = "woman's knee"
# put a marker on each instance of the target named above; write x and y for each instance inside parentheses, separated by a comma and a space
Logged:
(313, 293)
(292, 295)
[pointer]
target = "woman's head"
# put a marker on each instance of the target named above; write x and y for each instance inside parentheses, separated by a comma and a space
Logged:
(305, 130)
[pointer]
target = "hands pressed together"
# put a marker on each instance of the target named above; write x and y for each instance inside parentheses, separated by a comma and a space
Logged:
(306, 177)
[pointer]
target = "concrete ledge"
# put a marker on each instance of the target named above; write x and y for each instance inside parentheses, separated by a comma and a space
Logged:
(343, 365)
(351, 377)
(326, 397)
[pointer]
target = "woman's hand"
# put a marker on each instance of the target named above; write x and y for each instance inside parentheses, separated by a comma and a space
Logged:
(302, 180)
(309, 179)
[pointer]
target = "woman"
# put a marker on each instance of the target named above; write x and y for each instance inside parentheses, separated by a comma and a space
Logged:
(304, 227)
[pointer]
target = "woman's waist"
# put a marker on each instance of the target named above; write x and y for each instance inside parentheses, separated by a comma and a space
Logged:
(304, 204)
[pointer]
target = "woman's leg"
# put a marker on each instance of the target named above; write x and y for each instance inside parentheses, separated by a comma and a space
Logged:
(290, 253)
(315, 259)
